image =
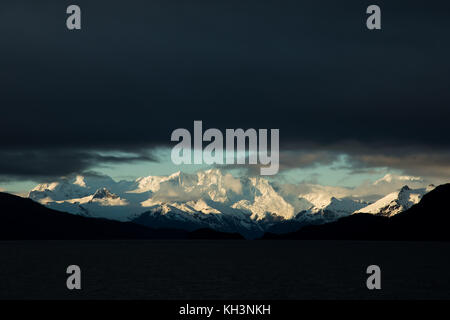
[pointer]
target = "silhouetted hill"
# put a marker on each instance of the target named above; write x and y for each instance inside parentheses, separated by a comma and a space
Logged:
(22, 219)
(427, 220)
(213, 234)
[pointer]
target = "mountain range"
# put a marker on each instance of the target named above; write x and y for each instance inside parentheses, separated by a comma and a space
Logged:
(213, 200)
(425, 221)
(25, 219)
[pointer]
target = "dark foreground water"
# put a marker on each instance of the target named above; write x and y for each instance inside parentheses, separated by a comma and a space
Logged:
(224, 269)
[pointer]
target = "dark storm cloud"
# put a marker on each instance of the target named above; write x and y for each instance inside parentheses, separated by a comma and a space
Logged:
(45, 164)
(140, 69)
(430, 164)
(361, 159)
(291, 160)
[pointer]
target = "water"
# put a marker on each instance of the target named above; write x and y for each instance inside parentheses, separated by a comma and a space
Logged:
(224, 269)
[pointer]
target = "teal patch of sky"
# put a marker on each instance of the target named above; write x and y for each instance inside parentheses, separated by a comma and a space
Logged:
(338, 173)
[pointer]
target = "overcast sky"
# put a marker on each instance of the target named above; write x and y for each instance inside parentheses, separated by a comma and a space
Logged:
(341, 95)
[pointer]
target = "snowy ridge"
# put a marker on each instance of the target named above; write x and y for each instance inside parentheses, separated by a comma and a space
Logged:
(396, 202)
(249, 205)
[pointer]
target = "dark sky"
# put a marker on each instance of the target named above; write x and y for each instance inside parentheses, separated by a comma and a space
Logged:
(140, 69)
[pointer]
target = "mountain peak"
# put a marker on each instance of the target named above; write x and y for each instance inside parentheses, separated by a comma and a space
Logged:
(395, 202)
(214, 171)
(79, 180)
(210, 197)
(176, 174)
(103, 193)
(405, 188)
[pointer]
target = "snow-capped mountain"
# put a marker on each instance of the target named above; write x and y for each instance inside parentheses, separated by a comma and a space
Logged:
(332, 209)
(249, 205)
(396, 202)
(76, 187)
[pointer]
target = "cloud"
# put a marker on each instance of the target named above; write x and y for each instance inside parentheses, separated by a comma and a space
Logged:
(389, 178)
(232, 183)
(431, 164)
(389, 183)
(67, 92)
(306, 159)
(427, 162)
(306, 188)
(50, 163)
(174, 193)
(290, 160)
(367, 190)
